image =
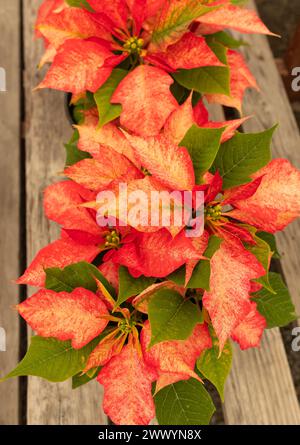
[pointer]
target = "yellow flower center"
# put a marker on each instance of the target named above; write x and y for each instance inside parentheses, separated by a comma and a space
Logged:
(126, 326)
(213, 213)
(134, 45)
(113, 239)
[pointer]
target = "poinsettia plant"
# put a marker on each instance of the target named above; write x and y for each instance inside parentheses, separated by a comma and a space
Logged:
(149, 307)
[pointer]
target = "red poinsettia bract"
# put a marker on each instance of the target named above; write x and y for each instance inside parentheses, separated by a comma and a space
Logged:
(84, 46)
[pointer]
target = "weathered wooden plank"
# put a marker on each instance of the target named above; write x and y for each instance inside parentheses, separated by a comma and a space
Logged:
(272, 106)
(260, 389)
(10, 196)
(46, 129)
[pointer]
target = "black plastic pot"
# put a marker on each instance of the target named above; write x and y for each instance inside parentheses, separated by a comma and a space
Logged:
(69, 109)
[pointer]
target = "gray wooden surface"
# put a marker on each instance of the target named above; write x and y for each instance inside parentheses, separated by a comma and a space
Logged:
(251, 396)
(9, 205)
(255, 372)
(47, 128)
(271, 106)
(260, 389)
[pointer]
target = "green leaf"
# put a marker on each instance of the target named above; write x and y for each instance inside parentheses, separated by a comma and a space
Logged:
(107, 111)
(178, 21)
(215, 368)
(219, 50)
(75, 155)
(76, 275)
(265, 282)
(179, 92)
(214, 243)
(171, 316)
(178, 276)
(203, 145)
(184, 403)
(239, 2)
(82, 106)
(242, 156)
(52, 359)
(200, 278)
(80, 380)
(225, 39)
(80, 4)
(278, 308)
(201, 274)
(130, 286)
(205, 80)
(271, 240)
(208, 79)
(262, 251)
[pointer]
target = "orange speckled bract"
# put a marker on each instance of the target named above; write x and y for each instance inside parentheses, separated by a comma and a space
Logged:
(228, 301)
(146, 100)
(127, 382)
(175, 360)
(72, 316)
(276, 202)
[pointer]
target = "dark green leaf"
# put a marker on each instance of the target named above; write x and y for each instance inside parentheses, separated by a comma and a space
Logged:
(184, 403)
(179, 92)
(203, 145)
(226, 39)
(171, 317)
(52, 359)
(200, 278)
(270, 239)
(196, 98)
(262, 251)
(208, 79)
(242, 156)
(80, 380)
(219, 50)
(278, 308)
(77, 275)
(239, 2)
(201, 274)
(215, 368)
(129, 286)
(80, 4)
(82, 105)
(108, 111)
(75, 155)
(178, 276)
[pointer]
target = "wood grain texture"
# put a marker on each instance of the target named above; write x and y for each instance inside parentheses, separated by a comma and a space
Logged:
(260, 389)
(270, 106)
(47, 128)
(9, 196)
